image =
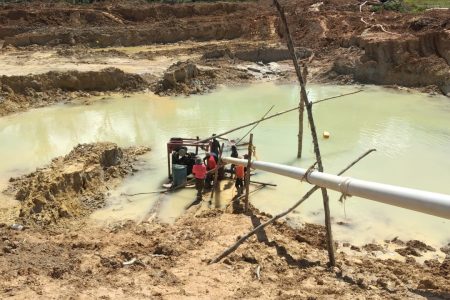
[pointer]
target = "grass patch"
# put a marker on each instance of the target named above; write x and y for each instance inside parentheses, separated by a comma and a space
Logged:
(411, 5)
(429, 3)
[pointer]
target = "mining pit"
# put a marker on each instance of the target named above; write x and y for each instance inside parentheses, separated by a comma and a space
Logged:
(91, 93)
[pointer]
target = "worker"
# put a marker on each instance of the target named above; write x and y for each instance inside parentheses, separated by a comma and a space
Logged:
(210, 164)
(239, 184)
(234, 154)
(215, 147)
(199, 171)
(182, 157)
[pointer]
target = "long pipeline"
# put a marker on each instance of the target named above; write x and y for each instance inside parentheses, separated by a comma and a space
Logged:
(422, 201)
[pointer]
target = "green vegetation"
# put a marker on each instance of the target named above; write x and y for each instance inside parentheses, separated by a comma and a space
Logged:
(411, 5)
(393, 5)
(428, 3)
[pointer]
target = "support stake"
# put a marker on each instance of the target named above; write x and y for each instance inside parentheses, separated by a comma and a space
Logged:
(273, 219)
(247, 173)
(216, 173)
(308, 105)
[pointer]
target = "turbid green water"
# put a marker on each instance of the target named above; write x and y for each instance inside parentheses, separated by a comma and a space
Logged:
(411, 132)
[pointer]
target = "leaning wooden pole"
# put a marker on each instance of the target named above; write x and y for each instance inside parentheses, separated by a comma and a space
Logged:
(273, 219)
(308, 105)
(254, 126)
(247, 173)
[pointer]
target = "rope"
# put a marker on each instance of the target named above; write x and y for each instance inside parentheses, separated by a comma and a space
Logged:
(308, 172)
(343, 188)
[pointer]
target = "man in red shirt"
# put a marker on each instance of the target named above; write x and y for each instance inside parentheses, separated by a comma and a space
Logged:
(239, 184)
(211, 164)
(199, 171)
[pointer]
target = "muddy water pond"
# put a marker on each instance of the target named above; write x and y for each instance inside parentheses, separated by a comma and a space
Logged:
(410, 131)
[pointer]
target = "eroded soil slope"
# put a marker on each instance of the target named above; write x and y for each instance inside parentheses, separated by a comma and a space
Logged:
(123, 24)
(71, 186)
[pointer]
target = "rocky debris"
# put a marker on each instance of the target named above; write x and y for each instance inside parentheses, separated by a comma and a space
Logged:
(373, 247)
(427, 284)
(446, 249)
(184, 78)
(421, 246)
(414, 248)
(188, 78)
(179, 73)
(73, 185)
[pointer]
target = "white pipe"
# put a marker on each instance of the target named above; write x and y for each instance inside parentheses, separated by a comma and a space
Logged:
(426, 202)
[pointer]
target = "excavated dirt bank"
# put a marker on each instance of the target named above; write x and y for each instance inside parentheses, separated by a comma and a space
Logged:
(345, 42)
(128, 25)
(74, 185)
(415, 61)
(388, 48)
(158, 261)
(21, 92)
(105, 80)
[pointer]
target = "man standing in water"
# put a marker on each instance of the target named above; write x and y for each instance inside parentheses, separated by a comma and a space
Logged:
(199, 171)
(215, 147)
(210, 163)
(239, 184)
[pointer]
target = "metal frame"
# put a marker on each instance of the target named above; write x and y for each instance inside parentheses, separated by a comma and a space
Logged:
(183, 142)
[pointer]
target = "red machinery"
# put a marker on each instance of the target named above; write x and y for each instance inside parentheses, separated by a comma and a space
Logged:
(176, 144)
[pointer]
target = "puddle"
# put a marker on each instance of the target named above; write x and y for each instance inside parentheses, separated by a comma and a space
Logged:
(411, 132)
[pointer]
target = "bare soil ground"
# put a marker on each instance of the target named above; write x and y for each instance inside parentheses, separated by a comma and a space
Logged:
(151, 260)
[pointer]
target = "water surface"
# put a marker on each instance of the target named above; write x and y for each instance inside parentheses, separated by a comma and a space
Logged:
(410, 131)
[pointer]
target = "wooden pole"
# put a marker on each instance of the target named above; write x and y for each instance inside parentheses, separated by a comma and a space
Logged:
(263, 183)
(216, 172)
(196, 147)
(254, 126)
(273, 219)
(247, 173)
(298, 71)
(168, 162)
(305, 101)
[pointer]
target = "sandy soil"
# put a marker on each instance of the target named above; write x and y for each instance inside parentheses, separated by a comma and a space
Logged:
(151, 260)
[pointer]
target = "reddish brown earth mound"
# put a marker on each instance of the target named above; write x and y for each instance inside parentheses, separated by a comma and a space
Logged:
(73, 185)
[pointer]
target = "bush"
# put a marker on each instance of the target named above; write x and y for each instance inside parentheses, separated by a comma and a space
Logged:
(392, 5)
